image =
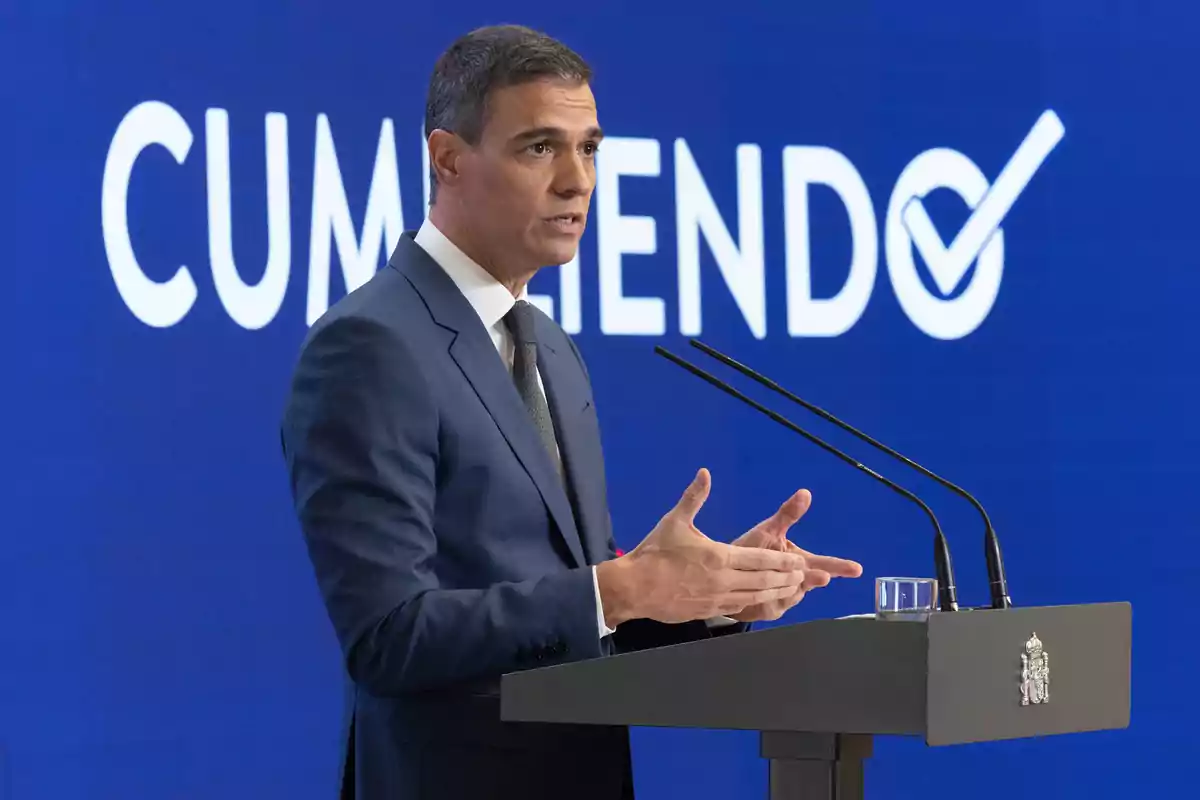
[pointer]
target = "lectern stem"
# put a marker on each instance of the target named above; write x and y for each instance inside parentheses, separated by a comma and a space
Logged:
(815, 766)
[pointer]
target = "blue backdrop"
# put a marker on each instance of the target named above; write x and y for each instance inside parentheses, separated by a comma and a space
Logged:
(160, 631)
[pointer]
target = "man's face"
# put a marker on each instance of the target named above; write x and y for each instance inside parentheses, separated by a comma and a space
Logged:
(528, 183)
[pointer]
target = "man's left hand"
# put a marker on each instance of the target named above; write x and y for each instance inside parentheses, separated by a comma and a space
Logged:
(771, 534)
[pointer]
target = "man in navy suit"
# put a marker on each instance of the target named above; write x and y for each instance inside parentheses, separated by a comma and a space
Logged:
(445, 461)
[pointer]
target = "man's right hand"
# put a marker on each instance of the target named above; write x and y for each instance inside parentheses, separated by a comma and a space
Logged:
(677, 574)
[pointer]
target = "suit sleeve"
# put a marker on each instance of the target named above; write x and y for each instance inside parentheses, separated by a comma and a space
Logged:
(360, 437)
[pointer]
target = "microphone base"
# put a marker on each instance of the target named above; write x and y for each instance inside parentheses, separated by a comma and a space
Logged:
(947, 598)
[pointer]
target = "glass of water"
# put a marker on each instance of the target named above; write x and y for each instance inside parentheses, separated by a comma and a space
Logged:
(905, 598)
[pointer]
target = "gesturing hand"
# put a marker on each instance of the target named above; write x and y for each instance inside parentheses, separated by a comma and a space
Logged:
(678, 574)
(771, 534)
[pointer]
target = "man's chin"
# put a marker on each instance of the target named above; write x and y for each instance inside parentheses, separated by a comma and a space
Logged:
(555, 254)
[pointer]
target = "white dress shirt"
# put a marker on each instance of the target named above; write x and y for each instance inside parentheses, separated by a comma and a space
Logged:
(491, 301)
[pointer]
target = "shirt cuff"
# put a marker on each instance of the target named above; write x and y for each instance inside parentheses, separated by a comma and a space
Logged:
(604, 629)
(719, 622)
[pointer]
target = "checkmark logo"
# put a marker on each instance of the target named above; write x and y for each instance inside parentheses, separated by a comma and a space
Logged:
(948, 265)
(980, 242)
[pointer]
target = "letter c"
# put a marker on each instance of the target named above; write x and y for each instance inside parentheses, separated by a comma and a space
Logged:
(159, 305)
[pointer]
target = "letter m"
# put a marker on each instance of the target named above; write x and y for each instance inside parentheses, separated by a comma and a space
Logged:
(331, 217)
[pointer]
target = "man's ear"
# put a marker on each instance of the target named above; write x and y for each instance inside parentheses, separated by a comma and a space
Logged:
(445, 151)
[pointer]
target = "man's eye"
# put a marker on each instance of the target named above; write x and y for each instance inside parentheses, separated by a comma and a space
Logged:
(590, 148)
(539, 148)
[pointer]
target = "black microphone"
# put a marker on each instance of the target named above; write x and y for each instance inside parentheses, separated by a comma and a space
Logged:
(997, 582)
(944, 571)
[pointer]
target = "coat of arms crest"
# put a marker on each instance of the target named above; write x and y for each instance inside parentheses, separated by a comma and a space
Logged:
(1035, 673)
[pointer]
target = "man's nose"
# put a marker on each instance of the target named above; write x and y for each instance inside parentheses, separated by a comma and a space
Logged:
(575, 176)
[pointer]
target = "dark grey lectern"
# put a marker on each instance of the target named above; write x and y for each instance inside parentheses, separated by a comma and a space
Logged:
(819, 691)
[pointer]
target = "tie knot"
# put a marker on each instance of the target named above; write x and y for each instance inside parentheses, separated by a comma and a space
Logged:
(520, 322)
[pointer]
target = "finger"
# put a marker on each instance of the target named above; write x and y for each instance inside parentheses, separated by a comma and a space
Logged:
(771, 595)
(796, 598)
(837, 567)
(767, 611)
(694, 496)
(771, 609)
(733, 602)
(794, 508)
(841, 567)
(758, 558)
(789, 513)
(816, 579)
(727, 606)
(759, 579)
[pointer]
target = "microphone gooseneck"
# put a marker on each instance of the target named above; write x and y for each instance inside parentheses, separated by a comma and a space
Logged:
(944, 571)
(997, 582)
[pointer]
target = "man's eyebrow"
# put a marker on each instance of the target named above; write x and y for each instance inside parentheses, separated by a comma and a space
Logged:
(551, 132)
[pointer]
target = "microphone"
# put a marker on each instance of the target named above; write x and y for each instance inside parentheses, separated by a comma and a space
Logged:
(944, 571)
(997, 582)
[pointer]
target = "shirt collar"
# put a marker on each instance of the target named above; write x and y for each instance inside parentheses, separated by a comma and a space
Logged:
(490, 299)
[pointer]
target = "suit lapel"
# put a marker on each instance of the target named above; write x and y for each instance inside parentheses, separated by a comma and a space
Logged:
(472, 350)
(476, 356)
(568, 399)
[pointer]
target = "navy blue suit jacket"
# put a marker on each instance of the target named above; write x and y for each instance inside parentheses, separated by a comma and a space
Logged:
(446, 548)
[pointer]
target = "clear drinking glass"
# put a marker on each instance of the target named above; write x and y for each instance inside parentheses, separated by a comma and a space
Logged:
(905, 598)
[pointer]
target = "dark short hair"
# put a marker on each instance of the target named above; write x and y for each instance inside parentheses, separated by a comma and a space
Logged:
(482, 61)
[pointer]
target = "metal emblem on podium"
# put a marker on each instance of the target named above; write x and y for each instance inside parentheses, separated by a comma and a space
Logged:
(1035, 673)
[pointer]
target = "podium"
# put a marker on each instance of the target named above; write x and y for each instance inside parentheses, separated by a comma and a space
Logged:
(820, 691)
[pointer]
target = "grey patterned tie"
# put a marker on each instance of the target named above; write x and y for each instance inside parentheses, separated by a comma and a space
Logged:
(520, 323)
